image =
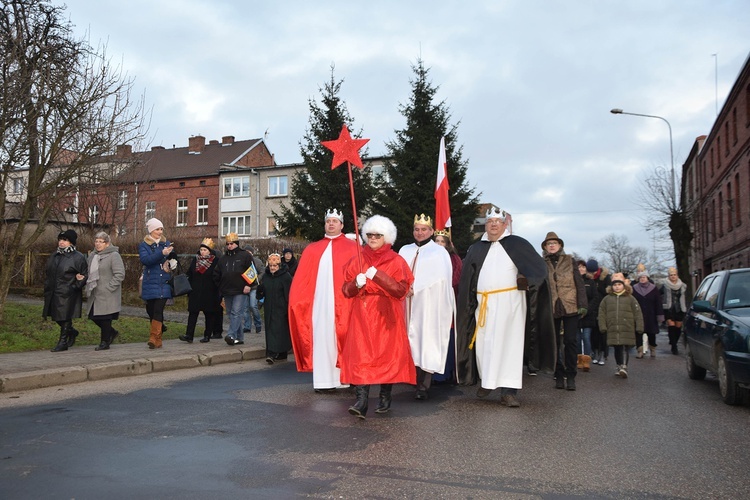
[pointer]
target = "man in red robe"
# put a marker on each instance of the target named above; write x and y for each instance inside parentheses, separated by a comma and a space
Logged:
(318, 310)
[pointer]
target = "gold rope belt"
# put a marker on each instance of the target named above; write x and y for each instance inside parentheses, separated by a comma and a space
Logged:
(483, 311)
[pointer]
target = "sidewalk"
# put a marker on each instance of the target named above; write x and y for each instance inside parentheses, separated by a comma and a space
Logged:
(33, 370)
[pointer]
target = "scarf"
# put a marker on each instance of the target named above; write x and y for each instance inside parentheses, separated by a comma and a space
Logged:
(93, 274)
(673, 298)
(203, 263)
(643, 289)
(63, 251)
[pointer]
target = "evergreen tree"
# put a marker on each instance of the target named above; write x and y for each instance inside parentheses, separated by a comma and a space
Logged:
(408, 188)
(316, 188)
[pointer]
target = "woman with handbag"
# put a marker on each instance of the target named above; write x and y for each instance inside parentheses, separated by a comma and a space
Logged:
(63, 287)
(673, 298)
(104, 287)
(205, 294)
(155, 253)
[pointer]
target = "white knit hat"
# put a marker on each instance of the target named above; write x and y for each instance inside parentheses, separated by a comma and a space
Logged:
(153, 224)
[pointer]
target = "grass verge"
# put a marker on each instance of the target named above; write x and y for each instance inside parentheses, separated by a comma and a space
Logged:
(23, 329)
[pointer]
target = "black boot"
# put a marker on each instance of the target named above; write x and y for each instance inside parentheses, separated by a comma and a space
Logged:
(186, 338)
(206, 338)
(72, 334)
(384, 405)
(62, 343)
(104, 341)
(359, 408)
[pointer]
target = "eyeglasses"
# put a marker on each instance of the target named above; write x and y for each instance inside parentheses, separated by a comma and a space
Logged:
(374, 235)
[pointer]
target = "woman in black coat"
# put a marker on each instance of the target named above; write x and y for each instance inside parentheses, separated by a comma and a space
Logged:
(63, 288)
(274, 289)
(205, 295)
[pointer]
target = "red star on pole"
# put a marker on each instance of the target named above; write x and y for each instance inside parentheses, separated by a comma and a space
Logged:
(345, 148)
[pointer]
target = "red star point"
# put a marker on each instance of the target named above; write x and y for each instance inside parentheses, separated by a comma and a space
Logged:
(345, 148)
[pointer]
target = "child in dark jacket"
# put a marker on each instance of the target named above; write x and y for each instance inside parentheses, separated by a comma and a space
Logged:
(620, 317)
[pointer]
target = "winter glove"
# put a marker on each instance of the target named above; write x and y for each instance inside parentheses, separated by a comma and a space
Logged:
(582, 311)
(361, 280)
(172, 264)
(370, 273)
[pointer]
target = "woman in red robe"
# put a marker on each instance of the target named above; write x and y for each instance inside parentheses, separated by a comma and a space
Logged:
(376, 350)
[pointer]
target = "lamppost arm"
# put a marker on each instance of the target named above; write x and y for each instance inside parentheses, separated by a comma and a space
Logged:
(617, 111)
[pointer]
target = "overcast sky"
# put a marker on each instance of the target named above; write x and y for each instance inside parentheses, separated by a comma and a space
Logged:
(530, 83)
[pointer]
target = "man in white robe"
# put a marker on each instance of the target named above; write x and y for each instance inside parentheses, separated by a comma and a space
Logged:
(318, 310)
(430, 304)
(491, 319)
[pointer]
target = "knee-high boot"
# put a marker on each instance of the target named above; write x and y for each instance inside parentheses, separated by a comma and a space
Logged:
(154, 339)
(359, 408)
(62, 343)
(384, 405)
(72, 334)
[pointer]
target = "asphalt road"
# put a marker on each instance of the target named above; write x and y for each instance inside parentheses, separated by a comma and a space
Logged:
(248, 431)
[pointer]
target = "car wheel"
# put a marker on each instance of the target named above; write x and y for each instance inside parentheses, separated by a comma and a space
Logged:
(730, 392)
(695, 372)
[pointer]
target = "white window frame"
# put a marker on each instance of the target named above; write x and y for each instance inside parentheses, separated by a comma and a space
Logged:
(122, 200)
(18, 185)
(202, 212)
(94, 214)
(272, 226)
(275, 184)
(182, 212)
(240, 224)
(236, 187)
(150, 211)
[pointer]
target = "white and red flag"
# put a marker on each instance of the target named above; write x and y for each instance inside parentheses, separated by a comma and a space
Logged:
(442, 205)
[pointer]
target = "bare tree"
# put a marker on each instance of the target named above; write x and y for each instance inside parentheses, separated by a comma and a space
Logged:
(666, 212)
(619, 255)
(63, 106)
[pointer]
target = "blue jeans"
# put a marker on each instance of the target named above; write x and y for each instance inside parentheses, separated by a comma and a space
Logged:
(235, 306)
(584, 334)
(252, 309)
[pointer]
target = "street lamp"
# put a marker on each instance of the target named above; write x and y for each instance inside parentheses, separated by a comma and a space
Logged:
(617, 111)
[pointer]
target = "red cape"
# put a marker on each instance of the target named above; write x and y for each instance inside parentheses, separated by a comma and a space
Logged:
(302, 294)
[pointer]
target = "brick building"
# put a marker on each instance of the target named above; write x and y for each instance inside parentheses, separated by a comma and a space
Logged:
(716, 186)
(179, 186)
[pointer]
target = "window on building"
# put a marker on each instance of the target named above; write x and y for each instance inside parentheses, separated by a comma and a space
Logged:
(122, 200)
(17, 186)
(182, 184)
(150, 210)
(719, 215)
(202, 183)
(734, 126)
(236, 224)
(182, 212)
(277, 185)
(236, 186)
(737, 210)
(202, 212)
(729, 207)
(272, 228)
(93, 214)
(726, 142)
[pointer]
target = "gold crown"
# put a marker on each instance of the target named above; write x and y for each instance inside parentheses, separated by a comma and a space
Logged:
(274, 258)
(232, 238)
(423, 219)
(208, 243)
(443, 232)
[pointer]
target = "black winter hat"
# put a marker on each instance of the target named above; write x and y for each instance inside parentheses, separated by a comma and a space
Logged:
(592, 266)
(68, 235)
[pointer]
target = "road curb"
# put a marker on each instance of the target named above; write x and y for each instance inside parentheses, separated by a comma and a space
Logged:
(38, 379)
